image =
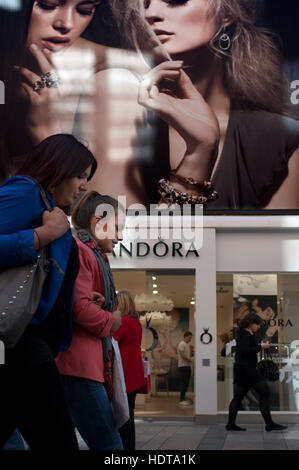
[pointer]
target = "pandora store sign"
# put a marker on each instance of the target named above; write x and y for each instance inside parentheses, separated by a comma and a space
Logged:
(160, 249)
(161, 237)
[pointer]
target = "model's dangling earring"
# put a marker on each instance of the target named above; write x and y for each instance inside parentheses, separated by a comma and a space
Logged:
(224, 42)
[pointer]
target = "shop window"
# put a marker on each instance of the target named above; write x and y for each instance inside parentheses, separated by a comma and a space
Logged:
(275, 298)
(165, 300)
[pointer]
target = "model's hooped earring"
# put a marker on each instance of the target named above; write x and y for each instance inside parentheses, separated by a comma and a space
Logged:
(224, 42)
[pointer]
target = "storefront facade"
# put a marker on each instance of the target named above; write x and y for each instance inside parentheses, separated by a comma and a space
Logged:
(232, 246)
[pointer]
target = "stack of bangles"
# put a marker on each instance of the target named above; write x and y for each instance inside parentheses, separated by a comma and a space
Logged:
(172, 195)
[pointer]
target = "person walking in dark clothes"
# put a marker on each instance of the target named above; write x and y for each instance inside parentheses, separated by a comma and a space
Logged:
(246, 375)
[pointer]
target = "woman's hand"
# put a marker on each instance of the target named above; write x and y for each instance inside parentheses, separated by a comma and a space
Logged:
(55, 225)
(116, 321)
(169, 92)
(41, 119)
(266, 345)
(98, 299)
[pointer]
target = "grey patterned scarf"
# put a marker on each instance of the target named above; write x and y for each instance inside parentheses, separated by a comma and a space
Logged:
(108, 282)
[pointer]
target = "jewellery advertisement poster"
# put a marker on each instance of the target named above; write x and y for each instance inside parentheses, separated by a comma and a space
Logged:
(180, 101)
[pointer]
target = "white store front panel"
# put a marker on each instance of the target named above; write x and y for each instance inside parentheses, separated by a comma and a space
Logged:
(230, 246)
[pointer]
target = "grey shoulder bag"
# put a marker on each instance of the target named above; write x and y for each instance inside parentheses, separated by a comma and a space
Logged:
(20, 292)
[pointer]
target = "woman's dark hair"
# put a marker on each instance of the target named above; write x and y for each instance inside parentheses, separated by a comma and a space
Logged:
(57, 158)
(86, 207)
(13, 29)
(103, 28)
(250, 319)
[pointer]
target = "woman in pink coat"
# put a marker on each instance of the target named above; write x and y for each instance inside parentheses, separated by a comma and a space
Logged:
(86, 366)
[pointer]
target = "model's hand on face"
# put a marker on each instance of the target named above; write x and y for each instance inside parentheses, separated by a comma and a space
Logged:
(42, 120)
(169, 92)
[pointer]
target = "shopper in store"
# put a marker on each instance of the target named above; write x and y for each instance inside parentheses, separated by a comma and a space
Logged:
(246, 375)
(184, 366)
(129, 337)
(87, 365)
(32, 396)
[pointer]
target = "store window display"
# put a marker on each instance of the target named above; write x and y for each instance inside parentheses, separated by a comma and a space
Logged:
(275, 299)
(170, 313)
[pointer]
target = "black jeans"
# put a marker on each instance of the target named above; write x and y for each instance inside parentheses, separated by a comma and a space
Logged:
(127, 431)
(33, 401)
(185, 373)
(241, 391)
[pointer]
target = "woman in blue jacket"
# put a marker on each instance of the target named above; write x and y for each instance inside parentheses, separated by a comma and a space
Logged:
(31, 393)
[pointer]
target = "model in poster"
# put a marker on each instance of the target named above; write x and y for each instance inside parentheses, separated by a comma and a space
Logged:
(222, 96)
(51, 75)
(31, 38)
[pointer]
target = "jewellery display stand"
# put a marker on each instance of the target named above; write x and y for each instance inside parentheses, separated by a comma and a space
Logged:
(288, 384)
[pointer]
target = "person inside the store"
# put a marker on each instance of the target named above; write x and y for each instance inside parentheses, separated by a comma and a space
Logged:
(185, 360)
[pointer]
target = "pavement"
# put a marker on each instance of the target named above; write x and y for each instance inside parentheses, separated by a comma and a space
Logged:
(183, 435)
(186, 435)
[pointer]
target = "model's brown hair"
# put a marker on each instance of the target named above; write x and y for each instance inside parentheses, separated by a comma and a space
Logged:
(252, 68)
(126, 304)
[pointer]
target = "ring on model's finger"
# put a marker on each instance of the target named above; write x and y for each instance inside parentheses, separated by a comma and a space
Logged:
(49, 80)
(146, 82)
(38, 85)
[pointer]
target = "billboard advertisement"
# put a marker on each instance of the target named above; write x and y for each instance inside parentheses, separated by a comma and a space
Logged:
(180, 101)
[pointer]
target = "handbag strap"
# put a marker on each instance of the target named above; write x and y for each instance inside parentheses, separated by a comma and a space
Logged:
(43, 194)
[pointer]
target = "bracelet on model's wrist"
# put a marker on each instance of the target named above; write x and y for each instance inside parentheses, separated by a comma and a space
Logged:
(205, 184)
(172, 195)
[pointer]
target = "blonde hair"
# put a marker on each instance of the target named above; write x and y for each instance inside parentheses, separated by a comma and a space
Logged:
(126, 304)
(252, 67)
